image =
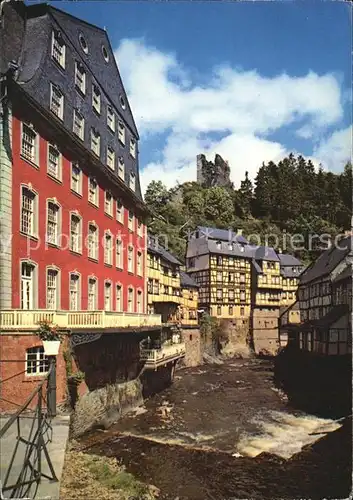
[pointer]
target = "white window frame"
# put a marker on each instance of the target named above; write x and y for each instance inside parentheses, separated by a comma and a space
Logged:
(96, 98)
(139, 227)
(110, 296)
(108, 203)
(119, 254)
(130, 259)
(56, 107)
(92, 306)
(33, 285)
(79, 180)
(57, 288)
(133, 147)
(130, 222)
(32, 141)
(110, 118)
(119, 214)
(95, 142)
(80, 77)
(119, 304)
(130, 303)
(121, 132)
(59, 54)
(96, 192)
(78, 291)
(121, 168)
(93, 243)
(132, 181)
(108, 248)
(33, 209)
(76, 237)
(78, 124)
(52, 148)
(57, 231)
(139, 304)
(139, 264)
(111, 158)
(38, 364)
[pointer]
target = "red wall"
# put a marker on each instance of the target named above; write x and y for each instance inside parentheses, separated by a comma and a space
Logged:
(44, 255)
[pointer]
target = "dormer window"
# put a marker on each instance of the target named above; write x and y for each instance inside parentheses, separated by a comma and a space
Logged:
(56, 101)
(121, 132)
(121, 168)
(96, 98)
(95, 141)
(111, 158)
(133, 147)
(132, 183)
(230, 246)
(58, 48)
(79, 124)
(110, 118)
(80, 77)
(218, 245)
(242, 249)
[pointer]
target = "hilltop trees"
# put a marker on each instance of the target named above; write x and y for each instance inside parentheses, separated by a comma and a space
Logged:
(287, 198)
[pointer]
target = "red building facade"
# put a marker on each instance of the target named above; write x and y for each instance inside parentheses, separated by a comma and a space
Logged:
(73, 234)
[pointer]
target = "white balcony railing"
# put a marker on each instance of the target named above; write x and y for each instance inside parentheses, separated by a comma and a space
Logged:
(162, 355)
(15, 319)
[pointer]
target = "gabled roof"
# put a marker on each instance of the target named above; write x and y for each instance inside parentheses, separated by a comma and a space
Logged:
(212, 233)
(288, 260)
(265, 253)
(328, 260)
(186, 281)
(345, 274)
(154, 247)
(230, 249)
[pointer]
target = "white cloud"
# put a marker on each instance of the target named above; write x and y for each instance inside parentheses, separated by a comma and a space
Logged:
(336, 150)
(241, 107)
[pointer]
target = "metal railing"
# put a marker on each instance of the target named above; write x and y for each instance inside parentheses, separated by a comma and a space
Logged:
(23, 441)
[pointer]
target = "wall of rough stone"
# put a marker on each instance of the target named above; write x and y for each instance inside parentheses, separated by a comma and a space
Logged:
(101, 407)
(192, 339)
(236, 337)
(265, 333)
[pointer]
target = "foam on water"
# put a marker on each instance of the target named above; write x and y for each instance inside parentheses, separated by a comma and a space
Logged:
(284, 434)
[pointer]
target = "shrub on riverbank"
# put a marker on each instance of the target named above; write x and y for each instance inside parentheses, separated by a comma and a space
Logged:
(91, 476)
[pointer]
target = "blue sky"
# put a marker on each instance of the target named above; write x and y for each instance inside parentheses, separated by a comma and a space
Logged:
(249, 80)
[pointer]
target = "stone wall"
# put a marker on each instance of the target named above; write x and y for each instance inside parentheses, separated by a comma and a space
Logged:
(265, 333)
(192, 339)
(103, 406)
(235, 341)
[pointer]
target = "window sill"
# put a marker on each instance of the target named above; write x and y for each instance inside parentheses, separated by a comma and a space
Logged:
(93, 259)
(131, 273)
(80, 91)
(119, 268)
(120, 222)
(29, 236)
(30, 162)
(93, 204)
(75, 252)
(108, 215)
(52, 245)
(107, 265)
(79, 195)
(56, 116)
(55, 179)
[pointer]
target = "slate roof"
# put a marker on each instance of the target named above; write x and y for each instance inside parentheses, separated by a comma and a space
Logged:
(154, 247)
(265, 253)
(27, 35)
(345, 274)
(186, 281)
(288, 260)
(327, 261)
(213, 233)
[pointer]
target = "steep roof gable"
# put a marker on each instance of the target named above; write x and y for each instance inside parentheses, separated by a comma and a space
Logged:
(105, 70)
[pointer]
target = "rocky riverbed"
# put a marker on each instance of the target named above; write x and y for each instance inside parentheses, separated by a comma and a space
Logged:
(225, 431)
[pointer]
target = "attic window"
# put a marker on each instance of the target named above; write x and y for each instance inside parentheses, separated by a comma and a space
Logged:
(242, 248)
(105, 54)
(58, 48)
(83, 43)
(218, 244)
(122, 102)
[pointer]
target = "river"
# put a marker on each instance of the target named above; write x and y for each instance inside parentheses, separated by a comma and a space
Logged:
(224, 431)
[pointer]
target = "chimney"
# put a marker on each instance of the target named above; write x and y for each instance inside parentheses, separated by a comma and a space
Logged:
(280, 250)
